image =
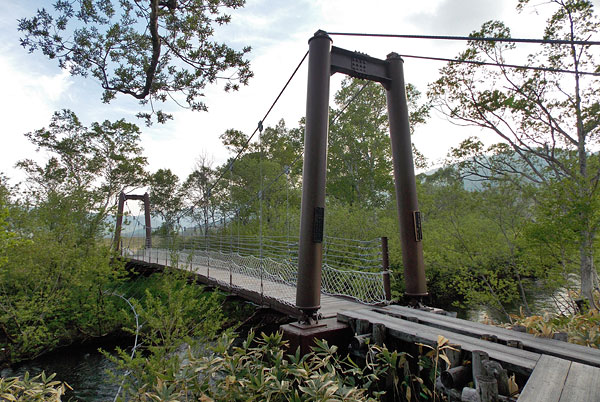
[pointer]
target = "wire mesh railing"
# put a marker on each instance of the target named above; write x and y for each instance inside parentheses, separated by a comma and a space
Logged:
(351, 268)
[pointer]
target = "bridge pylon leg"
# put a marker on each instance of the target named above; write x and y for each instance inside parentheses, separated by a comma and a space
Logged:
(405, 182)
(119, 223)
(310, 253)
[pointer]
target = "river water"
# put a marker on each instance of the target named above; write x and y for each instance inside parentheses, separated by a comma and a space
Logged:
(84, 368)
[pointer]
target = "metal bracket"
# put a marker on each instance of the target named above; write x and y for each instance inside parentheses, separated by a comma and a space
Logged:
(318, 224)
(359, 65)
(418, 229)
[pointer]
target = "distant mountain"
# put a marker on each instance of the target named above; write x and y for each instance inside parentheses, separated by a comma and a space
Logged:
(133, 225)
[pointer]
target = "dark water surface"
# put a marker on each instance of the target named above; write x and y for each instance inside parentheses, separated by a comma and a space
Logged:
(82, 367)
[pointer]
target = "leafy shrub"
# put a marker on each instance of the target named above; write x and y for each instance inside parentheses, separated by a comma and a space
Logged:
(259, 370)
(581, 328)
(173, 316)
(39, 388)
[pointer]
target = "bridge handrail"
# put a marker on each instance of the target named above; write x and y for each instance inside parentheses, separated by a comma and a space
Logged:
(362, 285)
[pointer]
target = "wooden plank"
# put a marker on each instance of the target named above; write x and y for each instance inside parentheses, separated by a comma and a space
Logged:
(547, 380)
(520, 361)
(553, 347)
(582, 384)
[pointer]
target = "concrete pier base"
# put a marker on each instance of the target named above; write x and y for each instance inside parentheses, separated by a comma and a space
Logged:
(303, 336)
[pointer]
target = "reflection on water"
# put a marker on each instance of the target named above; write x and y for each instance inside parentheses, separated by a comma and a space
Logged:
(540, 299)
(83, 368)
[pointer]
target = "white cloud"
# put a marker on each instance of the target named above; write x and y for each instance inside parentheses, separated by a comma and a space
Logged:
(28, 101)
(459, 17)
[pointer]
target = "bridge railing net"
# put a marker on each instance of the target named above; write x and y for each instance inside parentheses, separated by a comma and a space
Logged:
(351, 268)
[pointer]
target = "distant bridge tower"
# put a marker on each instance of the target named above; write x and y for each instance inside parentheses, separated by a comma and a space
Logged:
(146, 200)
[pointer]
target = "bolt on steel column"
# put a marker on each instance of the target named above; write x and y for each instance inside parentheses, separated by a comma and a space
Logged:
(404, 176)
(310, 253)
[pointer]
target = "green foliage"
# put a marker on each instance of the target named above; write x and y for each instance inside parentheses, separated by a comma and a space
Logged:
(40, 388)
(176, 310)
(175, 316)
(166, 199)
(52, 284)
(151, 51)
(431, 364)
(259, 370)
(88, 166)
(54, 262)
(545, 122)
(475, 246)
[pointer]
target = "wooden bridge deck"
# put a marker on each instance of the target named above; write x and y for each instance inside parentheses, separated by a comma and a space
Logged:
(277, 295)
(552, 347)
(558, 371)
(560, 380)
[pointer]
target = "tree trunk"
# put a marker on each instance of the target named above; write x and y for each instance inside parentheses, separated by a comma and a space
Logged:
(586, 256)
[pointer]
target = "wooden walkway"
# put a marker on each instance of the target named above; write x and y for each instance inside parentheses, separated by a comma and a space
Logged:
(553, 347)
(558, 371)
(559, 380)
(279, 296)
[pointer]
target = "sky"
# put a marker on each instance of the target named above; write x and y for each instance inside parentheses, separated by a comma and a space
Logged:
(278, 31)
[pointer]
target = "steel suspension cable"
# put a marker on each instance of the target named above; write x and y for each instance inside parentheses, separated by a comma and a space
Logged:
(245, 146)
(485, 39)
(472, 38)
(260, 202)
(515, 66)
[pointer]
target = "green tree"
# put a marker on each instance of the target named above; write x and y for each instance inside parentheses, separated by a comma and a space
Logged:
(359, 155)
(197, 189)
(152, 50)
(58, 266)
(89, 164)
(475, 248)
(280, 166)
(547, 121)
(284, 146)
(166, 198)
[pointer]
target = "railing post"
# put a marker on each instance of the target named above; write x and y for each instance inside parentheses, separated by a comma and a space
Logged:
(314, 172)
(147, 220)
(207, 258)
(385, 265)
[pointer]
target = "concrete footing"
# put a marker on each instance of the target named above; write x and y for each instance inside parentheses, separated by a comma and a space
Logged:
(303, 336)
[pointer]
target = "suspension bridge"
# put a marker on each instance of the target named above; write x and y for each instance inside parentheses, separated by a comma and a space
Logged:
(267, 273)
(339, 288)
